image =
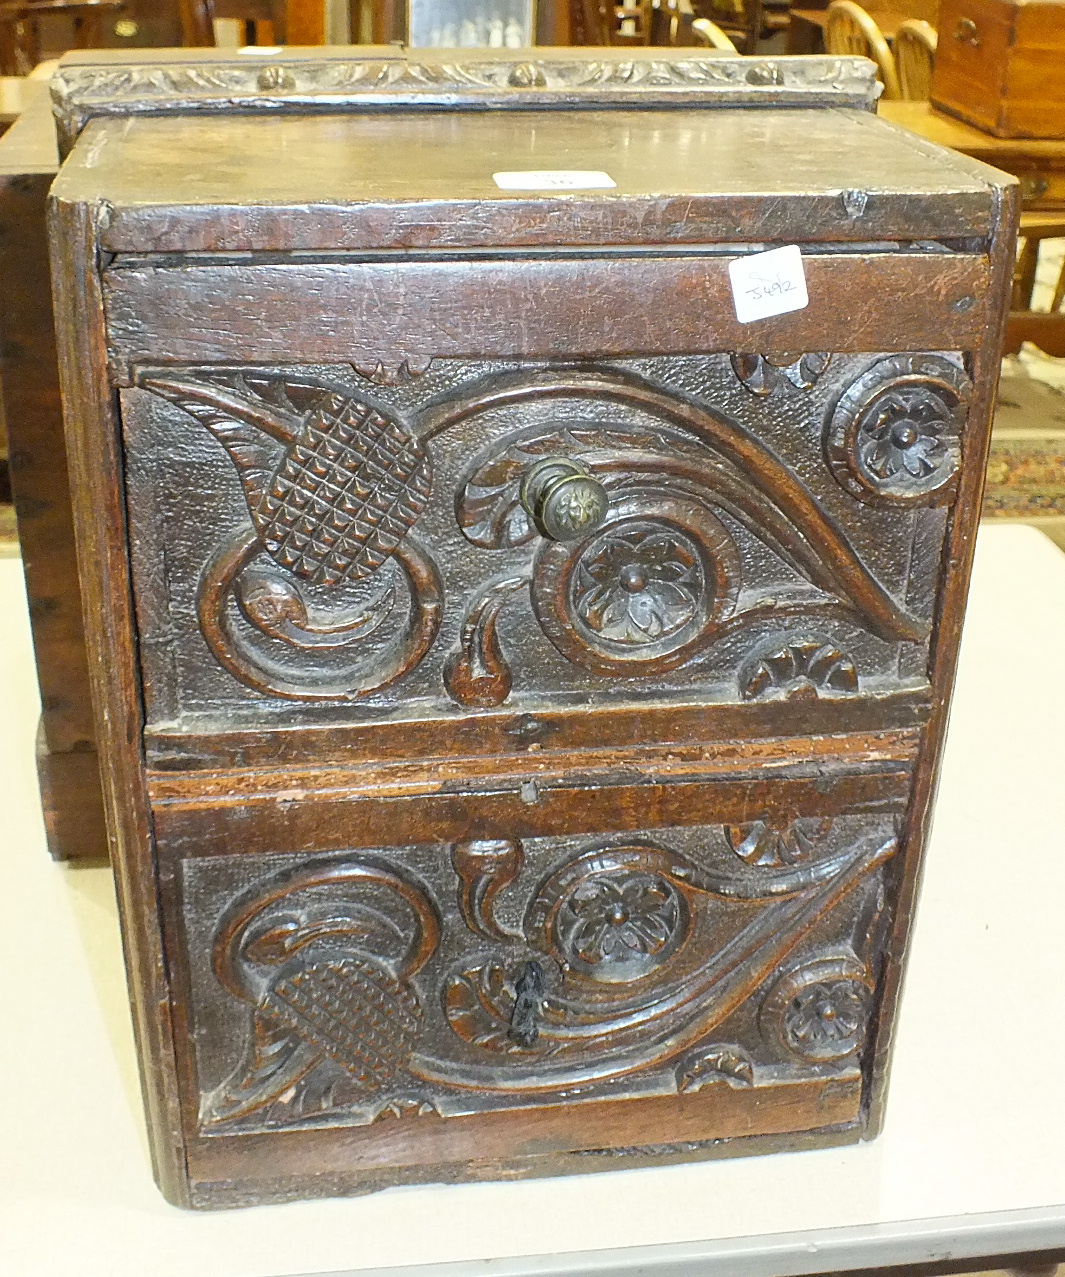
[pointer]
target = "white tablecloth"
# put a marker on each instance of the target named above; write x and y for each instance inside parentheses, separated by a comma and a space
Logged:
(971, 1162)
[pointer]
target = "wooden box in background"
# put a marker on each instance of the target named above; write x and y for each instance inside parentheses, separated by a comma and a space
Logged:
(1000, 65)
(521, 683)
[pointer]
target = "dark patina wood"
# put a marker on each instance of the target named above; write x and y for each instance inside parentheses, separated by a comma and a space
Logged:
(522, 684)
(29, 376)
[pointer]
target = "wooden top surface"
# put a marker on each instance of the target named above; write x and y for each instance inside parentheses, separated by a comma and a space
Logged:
(944, 130)
(29, 145)
(671, 167)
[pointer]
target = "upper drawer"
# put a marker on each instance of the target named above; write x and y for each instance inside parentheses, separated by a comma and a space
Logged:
(320, 548)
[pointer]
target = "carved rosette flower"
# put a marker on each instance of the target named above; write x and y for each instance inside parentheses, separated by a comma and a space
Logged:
(804, 667)
(819, 1011)
(612, 915)
(895, 433)
(904, 431)
(643, 594)
(763, 374)
(638, 585)
(620, 917)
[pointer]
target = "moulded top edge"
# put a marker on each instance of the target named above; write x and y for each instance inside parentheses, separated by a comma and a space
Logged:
(410, 180)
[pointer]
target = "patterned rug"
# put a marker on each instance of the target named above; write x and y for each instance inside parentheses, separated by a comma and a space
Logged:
(1026, 469)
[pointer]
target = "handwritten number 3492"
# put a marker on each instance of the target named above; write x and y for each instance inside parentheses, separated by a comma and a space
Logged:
(767, 288)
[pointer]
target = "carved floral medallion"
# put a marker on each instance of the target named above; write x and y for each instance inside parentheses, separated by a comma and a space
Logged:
(619, 923)
(643, 594)
(819, 1011)
(638, 584)
(896, 432)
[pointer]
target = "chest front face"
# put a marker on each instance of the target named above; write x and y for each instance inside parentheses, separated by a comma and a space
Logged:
(539, 668)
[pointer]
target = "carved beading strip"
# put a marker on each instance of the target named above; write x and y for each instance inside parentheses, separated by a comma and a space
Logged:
(81, 93)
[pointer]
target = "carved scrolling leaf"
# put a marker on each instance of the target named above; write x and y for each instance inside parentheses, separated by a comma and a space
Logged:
(490, 512)
(635, 989)
(477, 674)
(699, 449)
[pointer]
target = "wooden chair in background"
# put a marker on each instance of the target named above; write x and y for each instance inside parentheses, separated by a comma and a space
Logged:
(850, 30)
(609, 23)
(674, 25)
(20, 37)
(745, 22)
(915, 55)
(1045, 328)
(712, 36)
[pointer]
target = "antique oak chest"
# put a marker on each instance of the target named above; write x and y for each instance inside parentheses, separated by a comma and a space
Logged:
(1000, 65)
(520, 683)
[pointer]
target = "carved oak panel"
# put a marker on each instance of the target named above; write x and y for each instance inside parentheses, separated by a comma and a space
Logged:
(512, 974)
(745, 526)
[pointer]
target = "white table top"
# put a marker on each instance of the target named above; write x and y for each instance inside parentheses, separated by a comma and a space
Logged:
(971, 1162)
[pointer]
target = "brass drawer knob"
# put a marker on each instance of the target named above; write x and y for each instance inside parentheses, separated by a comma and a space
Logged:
(563, 499)
(966, 33)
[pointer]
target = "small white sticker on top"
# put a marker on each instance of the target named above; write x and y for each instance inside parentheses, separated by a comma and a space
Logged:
(766, 284)
(555, 180)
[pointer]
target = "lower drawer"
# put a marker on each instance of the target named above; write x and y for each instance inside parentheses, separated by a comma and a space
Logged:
(384, 1015)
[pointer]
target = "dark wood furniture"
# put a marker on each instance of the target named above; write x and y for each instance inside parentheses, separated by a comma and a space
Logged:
(746, 22)
(29, 376)
(1001, 66)
(298, 22)
(20, 45)
(521, 683)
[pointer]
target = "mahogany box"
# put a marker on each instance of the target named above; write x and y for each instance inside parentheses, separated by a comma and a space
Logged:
(1000, 65)
(520, 683)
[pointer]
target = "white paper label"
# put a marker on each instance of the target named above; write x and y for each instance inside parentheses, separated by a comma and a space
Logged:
(767, 284)
(555, 180)
(260, 50)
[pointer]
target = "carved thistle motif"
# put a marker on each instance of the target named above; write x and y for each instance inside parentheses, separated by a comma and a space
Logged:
(334, 483)
(896, 432)
(818, 1012)
(334, 1011)
(359, 992)
(639, 533)
(348, 487)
